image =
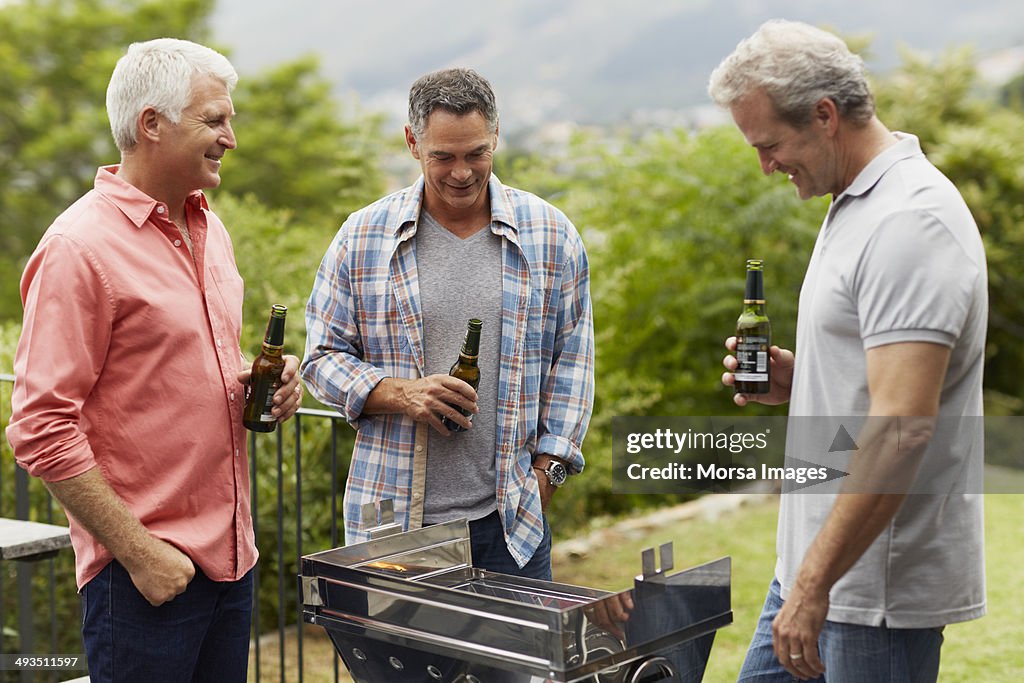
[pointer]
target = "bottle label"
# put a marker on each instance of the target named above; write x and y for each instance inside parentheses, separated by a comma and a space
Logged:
(752, 355)
(268, 406)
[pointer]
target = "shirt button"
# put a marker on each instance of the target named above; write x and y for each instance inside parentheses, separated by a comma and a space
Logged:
(419, 449)
(159, 209)
(232, 396)
(177, 243)
(218, 343)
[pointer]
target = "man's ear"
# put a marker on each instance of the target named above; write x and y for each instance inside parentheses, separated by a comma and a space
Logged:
(148, 125)
(410, 142)
(826, 115)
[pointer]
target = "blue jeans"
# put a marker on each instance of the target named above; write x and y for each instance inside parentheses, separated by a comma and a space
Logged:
(490, 552)
(201, 635)
(850, 653)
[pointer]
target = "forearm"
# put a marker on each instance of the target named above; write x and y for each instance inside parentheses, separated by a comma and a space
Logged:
(94, 504)
(389, 396)
(891, 444)
(853, 525)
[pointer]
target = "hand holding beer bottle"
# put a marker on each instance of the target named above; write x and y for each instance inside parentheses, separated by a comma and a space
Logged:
(266, 376)
(466, 369)
(757, 370)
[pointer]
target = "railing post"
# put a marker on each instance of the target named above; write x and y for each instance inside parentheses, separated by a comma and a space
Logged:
(24, 571)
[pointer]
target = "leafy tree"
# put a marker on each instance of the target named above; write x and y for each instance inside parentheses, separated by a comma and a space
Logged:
(669, 221)
(296, 151)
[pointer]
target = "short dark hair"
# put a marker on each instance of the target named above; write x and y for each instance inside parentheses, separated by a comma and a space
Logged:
(459, 91)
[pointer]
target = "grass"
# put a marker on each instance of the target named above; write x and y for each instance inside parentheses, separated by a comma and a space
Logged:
(988, 649)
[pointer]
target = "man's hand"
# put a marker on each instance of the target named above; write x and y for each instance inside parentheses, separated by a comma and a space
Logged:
(158, 569)
(795, 632)
(781, 361)
(426, 400)
(611, 614)
(160, 572)
(288, 397)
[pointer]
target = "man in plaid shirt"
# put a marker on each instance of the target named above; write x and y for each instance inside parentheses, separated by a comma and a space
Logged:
(387, 316)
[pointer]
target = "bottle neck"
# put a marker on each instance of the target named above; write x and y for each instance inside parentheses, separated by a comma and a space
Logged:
(754, 293)
(272, 350)
(275, 332)
(471, 346)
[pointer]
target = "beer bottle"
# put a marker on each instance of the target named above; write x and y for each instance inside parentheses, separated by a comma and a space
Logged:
(266, 375)
(753, 336)
(466, 369)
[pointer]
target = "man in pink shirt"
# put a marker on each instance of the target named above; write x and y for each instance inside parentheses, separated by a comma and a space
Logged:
(130, 382)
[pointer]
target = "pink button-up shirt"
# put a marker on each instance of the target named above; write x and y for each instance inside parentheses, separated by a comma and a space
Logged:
(127, 362)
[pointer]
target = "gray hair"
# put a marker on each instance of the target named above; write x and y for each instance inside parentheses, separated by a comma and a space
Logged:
(459, 91)
(796, 65)
(158, 73)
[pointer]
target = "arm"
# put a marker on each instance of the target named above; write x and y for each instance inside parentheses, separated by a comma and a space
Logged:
(904, 379)
(334, 368)
(567, 394)
(63, 346)
(424, 400)
(158, 569)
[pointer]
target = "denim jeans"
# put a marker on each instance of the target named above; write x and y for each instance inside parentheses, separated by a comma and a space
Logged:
(201, 635)
(490, 552)
(850, 653)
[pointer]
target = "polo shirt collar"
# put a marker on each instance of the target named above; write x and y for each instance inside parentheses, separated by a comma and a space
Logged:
(907, 146)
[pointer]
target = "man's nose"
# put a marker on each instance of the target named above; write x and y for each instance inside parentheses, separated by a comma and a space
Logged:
(768, 164)
(227, 137)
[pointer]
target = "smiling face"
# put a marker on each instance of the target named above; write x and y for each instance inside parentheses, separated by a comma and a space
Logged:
(191, 150)
(808, 155)
(456, 154)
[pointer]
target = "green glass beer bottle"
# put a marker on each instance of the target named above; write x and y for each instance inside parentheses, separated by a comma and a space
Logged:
(466, 369)
(266, 375)
(753, 336)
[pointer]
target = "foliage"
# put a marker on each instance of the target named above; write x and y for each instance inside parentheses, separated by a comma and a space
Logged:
(296, 151)
(669, 221)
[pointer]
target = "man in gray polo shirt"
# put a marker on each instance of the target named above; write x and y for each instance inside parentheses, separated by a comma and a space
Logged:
(892, 319)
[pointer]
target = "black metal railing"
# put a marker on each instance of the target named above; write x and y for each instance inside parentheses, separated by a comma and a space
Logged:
(296, 472)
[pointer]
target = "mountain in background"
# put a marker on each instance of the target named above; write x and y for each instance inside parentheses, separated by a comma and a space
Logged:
(587, 61)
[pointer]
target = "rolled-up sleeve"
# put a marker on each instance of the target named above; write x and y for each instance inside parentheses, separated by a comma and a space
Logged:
(64, 341)
(567, 396)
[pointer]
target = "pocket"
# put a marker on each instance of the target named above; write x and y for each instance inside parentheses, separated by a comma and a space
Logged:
(230, 288)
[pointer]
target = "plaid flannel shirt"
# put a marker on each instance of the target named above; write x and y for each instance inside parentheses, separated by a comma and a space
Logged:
(364, 323)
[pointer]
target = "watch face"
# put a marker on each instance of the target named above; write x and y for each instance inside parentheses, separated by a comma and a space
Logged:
(556, 473)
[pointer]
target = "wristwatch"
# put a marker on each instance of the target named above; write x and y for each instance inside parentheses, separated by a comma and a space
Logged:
(555, 471)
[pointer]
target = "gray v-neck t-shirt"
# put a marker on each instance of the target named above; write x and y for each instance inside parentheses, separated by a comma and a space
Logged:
(461, 279)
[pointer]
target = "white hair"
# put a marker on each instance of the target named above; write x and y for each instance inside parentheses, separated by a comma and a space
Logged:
(158, 73)
(796, 65)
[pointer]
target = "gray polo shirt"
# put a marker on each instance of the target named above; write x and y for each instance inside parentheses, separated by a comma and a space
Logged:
(898, 259)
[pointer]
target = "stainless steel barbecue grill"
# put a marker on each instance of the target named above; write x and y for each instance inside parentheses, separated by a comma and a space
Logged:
(409, 606)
